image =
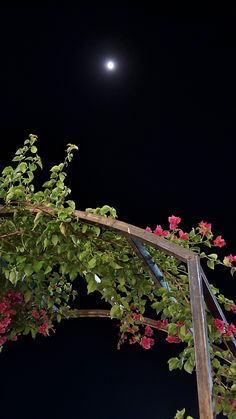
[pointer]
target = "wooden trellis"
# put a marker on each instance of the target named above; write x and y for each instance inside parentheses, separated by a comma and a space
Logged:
(199, 287)
(200, 293)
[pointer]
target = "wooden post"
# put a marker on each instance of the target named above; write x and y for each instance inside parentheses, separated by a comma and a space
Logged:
(202, 358)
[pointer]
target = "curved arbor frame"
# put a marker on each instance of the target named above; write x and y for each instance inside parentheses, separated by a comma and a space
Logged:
(199, 288)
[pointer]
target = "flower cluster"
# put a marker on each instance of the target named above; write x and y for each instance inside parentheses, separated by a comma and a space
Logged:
(18, 317)
(202, 234)
(42, 322)
(8, 309)
(226, 330)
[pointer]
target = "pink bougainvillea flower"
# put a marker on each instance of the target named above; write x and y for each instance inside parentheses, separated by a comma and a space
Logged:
(205, 228)
(228, 260)
(136, 316)
(182, 235)
(2, 340)
(148, 331)
(174, 221)
(162, 324)
(132, 340)
(148, 230)
(158, 324)
(14, 296)
(219, 242)
(5, 322)
(231, 328)
(173, 339)
(160, 232)
(35, 314)
(233, 308)
(4, 306)
(146, 343)
(165, 323)
(228, 333)
(220, 325)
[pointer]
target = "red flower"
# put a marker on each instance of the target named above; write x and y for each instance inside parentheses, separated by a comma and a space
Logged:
(2, 340)
(220, 325)
(148, 331)
(231, 328)
(132, 340)
(162, 324)
(233, 308)
(4, 306)
(146, 343)
(165, 323)
(5, 322)
(160, 232)
(173, 339)
(43, 328)
(174, 221)
(35, 314)
(182, 235)
(148, 230)
(205, 228)
(136, 316)
(219, 242)
(229, 259)
(14, 297)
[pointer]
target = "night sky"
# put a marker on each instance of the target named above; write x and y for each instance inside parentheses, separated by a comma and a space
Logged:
(156, 137)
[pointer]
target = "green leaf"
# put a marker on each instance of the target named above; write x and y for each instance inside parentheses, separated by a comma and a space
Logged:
(47, 270)
(172, 329)
(233, 270)
(115, 312)
(188, 366)
(173, 363)
(92, 263)
(115, 265)
(183, 332)
(27, 296)
(96, 230)
(37, 265)
(54, 239)
(180, 414)
(13, 276)
(33, 149)
(92, 286)
(233, 388)
(211, 264)
(22, 167)
(213, 256)
(29, 269)
(84, 228)
(63, 229)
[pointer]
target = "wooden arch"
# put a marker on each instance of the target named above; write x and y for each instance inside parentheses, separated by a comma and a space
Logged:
(199, 287)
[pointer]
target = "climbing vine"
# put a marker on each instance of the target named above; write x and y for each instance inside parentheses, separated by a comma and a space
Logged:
(45, 248)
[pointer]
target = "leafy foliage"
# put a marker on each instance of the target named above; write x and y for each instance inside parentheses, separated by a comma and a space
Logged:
(45, 247)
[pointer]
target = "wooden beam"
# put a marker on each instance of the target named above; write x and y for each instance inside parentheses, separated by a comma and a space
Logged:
(200, 335)
(128, 230)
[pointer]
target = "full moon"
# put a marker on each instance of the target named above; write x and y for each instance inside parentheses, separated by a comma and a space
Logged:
(110, 65)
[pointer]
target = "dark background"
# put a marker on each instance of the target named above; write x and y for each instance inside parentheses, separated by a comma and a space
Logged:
(155, 138)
